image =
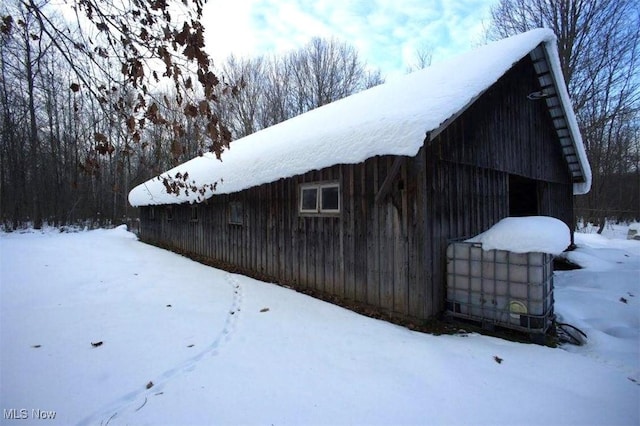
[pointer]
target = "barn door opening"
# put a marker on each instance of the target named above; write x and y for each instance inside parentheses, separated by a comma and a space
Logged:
(523, 196)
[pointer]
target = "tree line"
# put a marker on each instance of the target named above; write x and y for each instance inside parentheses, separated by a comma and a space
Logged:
(73, 148)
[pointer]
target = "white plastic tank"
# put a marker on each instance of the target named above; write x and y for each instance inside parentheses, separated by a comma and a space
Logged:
(513, 290)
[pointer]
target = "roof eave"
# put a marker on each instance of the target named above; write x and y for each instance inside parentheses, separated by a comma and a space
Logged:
(568, 135)
(553, 91)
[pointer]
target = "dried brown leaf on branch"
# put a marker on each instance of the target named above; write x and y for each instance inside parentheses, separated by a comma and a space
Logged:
(191, 110)
(100, 137)
(7, 25)
(131, 124)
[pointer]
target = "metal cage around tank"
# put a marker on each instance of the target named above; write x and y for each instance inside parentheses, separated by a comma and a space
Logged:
(499, 287)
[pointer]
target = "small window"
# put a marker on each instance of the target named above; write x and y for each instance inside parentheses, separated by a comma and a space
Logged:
(330, 199)
(194, 213)
(152, 213)
(320, 198)
(169, 214)
(309, 199)
(235, 213)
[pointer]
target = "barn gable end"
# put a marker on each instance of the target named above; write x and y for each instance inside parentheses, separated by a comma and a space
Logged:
(475, 163)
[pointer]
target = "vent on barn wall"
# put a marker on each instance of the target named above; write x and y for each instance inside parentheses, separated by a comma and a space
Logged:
(498, 287)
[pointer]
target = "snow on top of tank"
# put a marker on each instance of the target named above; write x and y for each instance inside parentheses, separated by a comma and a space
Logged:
(539, 234)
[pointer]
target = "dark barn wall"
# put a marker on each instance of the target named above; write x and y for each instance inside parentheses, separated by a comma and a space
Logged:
(508, 133)
(469, 163)
(386, 248)
(505, 131)
(372, 253)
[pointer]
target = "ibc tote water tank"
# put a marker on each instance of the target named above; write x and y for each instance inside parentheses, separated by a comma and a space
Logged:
(499, 287)
(504, 276)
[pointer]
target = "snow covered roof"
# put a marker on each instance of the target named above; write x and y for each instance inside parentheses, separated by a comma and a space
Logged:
(390, 119)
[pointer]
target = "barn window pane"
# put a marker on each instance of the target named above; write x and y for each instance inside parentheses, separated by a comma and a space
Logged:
(235, 213)
(309, 199)
(194, 213)
(330, 198)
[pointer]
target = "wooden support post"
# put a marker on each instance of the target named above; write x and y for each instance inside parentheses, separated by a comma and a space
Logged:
(385, 188)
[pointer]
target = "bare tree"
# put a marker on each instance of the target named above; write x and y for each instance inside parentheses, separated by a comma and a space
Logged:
(149, 42)
(598, 44)
(278, 96)
(422, 58)
(325, 71)
(22, 66)
(274, 89)
(82, 95)
(242, 109)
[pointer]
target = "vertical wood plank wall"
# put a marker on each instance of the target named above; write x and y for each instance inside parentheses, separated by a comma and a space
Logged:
(388, 254)
(372, 253)
(469, 163)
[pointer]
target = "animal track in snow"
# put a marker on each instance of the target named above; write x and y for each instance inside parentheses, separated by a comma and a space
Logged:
(133, 401)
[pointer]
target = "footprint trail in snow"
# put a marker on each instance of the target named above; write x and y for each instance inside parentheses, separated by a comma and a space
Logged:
(137, 399)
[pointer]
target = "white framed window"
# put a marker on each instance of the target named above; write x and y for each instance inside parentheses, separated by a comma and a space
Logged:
(319, 198)
(236, 216)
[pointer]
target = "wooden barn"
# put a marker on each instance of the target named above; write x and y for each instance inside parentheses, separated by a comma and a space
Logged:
(356, 201)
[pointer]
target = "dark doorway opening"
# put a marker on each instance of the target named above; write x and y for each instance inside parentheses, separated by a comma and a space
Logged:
(523, 196)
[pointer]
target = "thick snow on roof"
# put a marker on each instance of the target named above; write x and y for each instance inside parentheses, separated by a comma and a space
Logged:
(390, 119)
(538, 234)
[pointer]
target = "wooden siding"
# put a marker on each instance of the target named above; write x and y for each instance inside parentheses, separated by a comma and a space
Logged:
(505, 131)
(371, 254)
(386, 248)
(470, 161)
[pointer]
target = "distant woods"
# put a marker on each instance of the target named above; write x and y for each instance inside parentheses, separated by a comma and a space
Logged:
(276, 88)
(599, 47)
(86, 115)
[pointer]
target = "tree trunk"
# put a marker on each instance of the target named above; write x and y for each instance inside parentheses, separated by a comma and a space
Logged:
(33, 138)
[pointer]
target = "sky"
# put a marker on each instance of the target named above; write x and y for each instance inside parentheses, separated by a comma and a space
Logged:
(387, 33)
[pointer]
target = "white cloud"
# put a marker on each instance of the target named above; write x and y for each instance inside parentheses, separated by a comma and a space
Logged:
(229, 29)
(385, 32)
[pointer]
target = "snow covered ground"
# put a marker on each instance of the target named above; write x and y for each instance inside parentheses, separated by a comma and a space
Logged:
(97, 328)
